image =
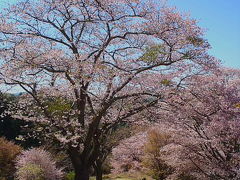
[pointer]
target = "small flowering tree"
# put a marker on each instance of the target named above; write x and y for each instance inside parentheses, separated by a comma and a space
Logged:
(153, 152)
(102, 62)
(37, 164)
(127, 156)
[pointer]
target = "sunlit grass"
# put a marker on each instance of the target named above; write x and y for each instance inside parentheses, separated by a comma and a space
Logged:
(132, 176)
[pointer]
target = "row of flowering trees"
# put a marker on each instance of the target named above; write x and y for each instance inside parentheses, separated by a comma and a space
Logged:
(202, 138)
(90, 67)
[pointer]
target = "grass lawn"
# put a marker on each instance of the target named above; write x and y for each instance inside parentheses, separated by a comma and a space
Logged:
(125, 177)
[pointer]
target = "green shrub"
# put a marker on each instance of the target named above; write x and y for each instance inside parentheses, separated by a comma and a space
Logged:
(30, 172)
(70, 176)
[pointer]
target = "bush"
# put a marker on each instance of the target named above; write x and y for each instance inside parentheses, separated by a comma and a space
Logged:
(8, 153)
(30, 172)
(33, 159)
(70, 176)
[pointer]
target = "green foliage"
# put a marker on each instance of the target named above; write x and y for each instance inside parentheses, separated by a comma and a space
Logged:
(237, 105)
(128, 176)
(8, 153)
(13, 129)
(30, 172)
(9, 97)
(166, 82)
(152, 53)
(70, 176)
(58, 106)
(196, 41)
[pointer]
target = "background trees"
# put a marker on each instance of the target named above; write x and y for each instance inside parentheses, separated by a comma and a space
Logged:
(15, 129)
(103, 61)
(202, 120)
(209, 111)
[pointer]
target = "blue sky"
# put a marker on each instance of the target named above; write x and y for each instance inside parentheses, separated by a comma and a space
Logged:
(221, 18)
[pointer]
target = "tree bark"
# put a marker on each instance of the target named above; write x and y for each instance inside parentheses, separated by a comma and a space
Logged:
(80, 165)
(98, 171)
(82, 173)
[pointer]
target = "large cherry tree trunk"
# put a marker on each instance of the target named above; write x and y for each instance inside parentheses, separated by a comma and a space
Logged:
(82, 173)
(80, 164)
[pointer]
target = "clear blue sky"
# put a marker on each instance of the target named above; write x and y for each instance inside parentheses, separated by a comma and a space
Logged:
(221, 18)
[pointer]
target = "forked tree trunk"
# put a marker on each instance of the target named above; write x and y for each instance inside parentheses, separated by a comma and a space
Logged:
(81, 167)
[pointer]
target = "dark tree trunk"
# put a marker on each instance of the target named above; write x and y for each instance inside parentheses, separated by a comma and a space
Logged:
(82, 173)
(80, 165)
(98, 170)
(99, 175)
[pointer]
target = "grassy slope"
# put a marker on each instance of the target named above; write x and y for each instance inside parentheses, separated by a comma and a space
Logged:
(125, 177)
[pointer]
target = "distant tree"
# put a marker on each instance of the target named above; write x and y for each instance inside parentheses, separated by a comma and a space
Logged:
(153, 157)
(152, 152)
(128, 155)
(14, 129)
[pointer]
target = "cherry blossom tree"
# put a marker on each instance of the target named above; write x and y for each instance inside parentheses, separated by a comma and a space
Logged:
(37, 163)
(209, 111)
(87, 66)
(153, 152)
(127, 156)
(204, 116)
